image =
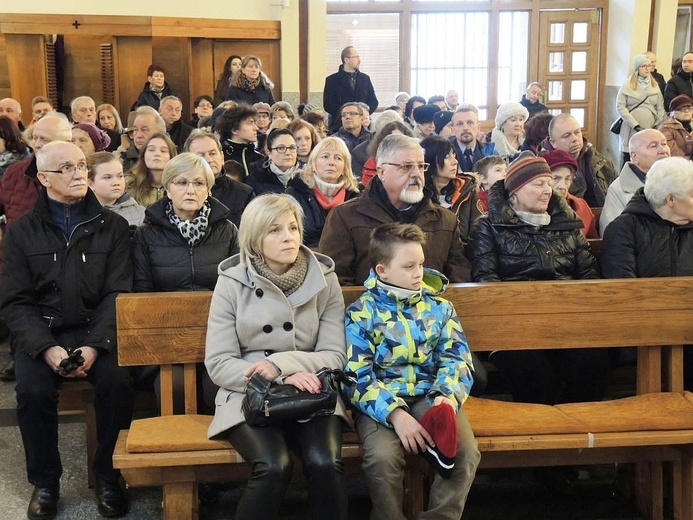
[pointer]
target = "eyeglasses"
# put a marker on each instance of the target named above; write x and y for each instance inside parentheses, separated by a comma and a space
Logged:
(183, 184)
(283, 149)
(352, 114)
(409, 167)
(685, 109)
(69, 169)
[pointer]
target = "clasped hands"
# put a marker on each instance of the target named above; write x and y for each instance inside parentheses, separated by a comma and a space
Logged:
(54, 356)
(306, 381)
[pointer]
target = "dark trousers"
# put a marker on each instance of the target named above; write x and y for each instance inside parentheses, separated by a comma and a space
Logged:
(318, 443)
(555, 376)
(37, 412)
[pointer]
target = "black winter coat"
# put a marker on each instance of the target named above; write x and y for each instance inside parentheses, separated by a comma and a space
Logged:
(263, 180)
(682, 83)
(639, 243)
(150, 98)
(244, 154)
(259, 95)
(163, 259)
(314, 214)
(53, 283)
(234, 195)
(504, 248)
(338, 90)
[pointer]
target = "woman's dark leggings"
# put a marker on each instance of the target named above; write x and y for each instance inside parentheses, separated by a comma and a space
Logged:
(318, 443)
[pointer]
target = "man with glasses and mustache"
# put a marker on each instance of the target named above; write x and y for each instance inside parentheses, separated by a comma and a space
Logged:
(66, 261)
(395, 194)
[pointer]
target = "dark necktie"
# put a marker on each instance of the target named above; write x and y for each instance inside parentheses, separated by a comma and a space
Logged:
(467, 165)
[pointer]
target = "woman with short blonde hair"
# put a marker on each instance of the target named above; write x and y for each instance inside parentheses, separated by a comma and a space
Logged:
(277, 312)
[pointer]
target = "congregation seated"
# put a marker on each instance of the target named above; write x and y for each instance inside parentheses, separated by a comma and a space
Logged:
(146, 122)
(306, 139)
(677, 129)
(171, 111)
(250, 84)
(363, 155)
(154, 90)
(509, 133)
(203, 106)
(352, 131)
(15, 149)
(108, 119)
(238, 134)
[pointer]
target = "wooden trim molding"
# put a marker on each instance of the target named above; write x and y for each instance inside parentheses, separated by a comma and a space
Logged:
(95, 25)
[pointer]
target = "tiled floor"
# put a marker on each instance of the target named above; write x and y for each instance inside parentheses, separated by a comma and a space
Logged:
(503, 495)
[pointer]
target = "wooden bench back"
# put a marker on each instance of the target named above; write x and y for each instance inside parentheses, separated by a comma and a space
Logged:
(170, 328)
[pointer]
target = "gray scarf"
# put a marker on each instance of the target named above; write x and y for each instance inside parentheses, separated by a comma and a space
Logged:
(288, 282)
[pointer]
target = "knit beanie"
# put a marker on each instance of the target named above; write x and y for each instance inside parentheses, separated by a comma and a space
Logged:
(441, 424)
(524, 169)
(425, 113)
(638, 60)
(100, 138)
(508, 110)
(680, 101)
(556, 158)
(442, 118)
(401, 95)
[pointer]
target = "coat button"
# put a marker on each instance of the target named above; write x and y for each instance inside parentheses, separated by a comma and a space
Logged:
(267, 329)
(259, 293)
(288, 326)
(269, 352)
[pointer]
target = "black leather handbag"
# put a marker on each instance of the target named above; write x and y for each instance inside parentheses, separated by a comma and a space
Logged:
(269, 404)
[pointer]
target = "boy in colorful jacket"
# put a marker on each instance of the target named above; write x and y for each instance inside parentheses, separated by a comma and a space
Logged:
(409, 354)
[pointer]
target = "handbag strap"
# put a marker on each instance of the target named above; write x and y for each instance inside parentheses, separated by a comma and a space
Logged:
(636, 106)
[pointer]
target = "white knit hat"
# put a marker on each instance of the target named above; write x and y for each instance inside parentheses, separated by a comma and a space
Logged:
(638, 60)
(400, 95)
(508, 110)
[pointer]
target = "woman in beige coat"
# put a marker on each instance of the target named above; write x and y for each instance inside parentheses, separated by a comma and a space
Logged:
(278, 311)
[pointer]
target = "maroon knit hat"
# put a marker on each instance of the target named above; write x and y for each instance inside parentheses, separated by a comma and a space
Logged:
(680, 101)
(524, 169)
(441, 423)
(556, 158)
(100, 138)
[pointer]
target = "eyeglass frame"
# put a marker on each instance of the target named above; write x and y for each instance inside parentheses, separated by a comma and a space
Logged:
(70, 169)
(291, 148)
(409, 167)
(183, 184)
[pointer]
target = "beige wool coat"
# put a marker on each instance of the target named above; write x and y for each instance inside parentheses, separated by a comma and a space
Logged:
(250, 319)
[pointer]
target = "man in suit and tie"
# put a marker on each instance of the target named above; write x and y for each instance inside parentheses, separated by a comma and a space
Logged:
(465, 128)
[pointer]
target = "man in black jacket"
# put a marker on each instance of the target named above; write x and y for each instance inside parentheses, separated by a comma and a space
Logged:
(171, 111)
(346, 85)
(65, 262)
(682, 82)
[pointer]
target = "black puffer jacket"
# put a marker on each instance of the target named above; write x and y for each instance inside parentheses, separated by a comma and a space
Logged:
(262, 179)
(51, 282)
(234, 195)
(314, 214)
(639, 243)
(504, 248)
(163, 259)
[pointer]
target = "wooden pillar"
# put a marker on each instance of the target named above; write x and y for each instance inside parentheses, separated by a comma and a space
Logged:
(26, 66)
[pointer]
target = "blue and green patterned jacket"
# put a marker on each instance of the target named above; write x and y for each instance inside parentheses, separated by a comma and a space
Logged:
(405, 347)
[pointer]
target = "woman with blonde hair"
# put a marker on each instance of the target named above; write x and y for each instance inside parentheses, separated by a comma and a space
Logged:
(251, 85)
(639, 102)
(145, 181)
(325, 182)
(108, 119)
(277, 312)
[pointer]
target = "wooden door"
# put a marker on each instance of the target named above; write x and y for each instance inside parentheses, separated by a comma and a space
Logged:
(569, 64)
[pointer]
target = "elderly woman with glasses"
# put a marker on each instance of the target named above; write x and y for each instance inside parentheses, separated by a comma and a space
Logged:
(272, 175)
(185, 235)
(677, 129)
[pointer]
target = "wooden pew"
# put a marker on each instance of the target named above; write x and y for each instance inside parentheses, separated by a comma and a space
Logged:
(651, 429)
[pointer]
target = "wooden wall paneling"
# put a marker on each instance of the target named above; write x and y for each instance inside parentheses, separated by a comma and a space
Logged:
(201, 64)
(83, 67)
(216, 28)
(4, 73)
(26, 67)
(133, 55)
(267, 51)
(172, 54)
(88, 25)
